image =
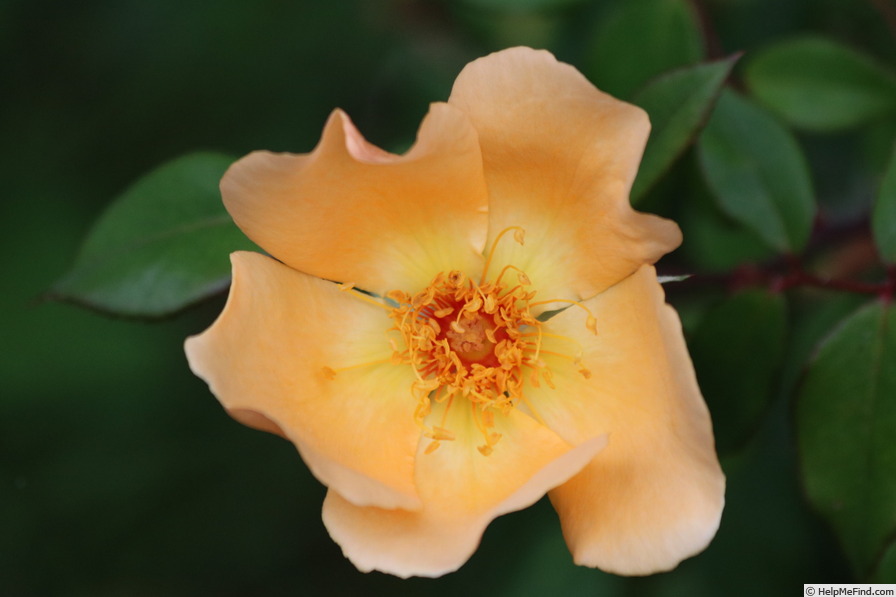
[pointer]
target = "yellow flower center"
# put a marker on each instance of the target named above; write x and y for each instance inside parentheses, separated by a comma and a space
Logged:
(474, 342)
(469, 341)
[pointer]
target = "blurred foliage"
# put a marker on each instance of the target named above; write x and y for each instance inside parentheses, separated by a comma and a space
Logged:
(621, 63)
(885, 213)
(678, 105)
(737, 382)
(120, 473)
(163, 245)
(757, 173)
(845, 418)
(819, 85)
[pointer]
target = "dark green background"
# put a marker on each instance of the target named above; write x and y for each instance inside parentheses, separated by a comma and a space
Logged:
(119, 472)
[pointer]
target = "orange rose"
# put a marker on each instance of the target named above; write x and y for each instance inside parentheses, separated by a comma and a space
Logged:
(495, 330)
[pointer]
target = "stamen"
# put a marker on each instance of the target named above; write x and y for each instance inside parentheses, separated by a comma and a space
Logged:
(550, 335)
(590, 322)
(330, 372)
(350, 288)
(533, 377)
(532, 409)
(523, 278)
(468, 343)
(537, 345)
(442, 434)
(424, 407)
(445, 413)
(519, 236)
(478, 419)
(575, 359)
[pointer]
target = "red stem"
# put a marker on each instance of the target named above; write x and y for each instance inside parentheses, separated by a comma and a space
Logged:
(801, 278)
(794, 277)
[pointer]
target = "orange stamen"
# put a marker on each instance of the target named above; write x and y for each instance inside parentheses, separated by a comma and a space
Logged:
(521, 275)
(590, 322)
(519, 235)
(330, 372)
(469, 342)
(350, 289)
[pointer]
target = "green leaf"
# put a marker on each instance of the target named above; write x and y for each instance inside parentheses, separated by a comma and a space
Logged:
(712, 240)
(678, 104)
(640, 39)
(737, 350)
(886, 570)
(815, 313)
(846, 417)
(883, 219)
(820, 85)
(161, 246)
(757, 173)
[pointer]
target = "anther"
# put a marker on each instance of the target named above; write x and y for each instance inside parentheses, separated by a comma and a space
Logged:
(442, 434)
(591, 324)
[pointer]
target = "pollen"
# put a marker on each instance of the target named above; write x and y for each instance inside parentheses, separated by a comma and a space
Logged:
(473, 343)
(465, 342)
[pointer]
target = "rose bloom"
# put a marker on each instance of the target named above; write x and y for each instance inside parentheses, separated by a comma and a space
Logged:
(448, 334)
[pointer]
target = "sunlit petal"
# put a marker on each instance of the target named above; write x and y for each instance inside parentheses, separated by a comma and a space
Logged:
(266, 359)
(654, 496)
(351, 212)
(461, 491)
(560, 158)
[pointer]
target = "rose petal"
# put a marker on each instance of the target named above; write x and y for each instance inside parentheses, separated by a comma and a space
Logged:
(560, 158)
(654, 496)
(265, 359)
(351, 212)
(461, 491)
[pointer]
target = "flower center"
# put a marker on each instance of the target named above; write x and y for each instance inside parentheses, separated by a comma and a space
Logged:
(471, 343)
(476, 342)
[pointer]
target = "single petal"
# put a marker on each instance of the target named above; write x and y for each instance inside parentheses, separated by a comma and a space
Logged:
(351, 212)
(461, 491)
(654, 496)
(266, 359)
(560, 158)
